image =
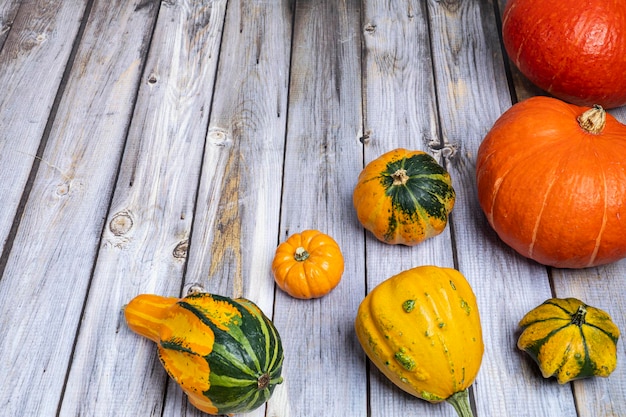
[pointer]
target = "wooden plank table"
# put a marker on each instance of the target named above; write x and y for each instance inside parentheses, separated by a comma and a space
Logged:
(148, 145)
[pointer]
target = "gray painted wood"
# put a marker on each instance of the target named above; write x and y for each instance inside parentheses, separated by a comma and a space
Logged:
(48, 271)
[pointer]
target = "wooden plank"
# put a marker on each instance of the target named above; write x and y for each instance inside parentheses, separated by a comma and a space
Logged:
(322, 159)
(322, 163)
(400, 111)
(36, 45)
(472, 93)
(600, 287)
(236, 223)
(48, 272)
(235, 231)
(8, 11)
(144, 245)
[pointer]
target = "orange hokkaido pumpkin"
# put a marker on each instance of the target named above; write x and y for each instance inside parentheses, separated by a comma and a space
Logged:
(308, 264)
(575, 50)
(551, 179)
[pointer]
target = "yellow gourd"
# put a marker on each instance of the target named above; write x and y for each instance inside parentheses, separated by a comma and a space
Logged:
(421, 328)
(569, 339)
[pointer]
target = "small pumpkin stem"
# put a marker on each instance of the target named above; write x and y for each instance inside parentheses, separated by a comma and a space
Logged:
(593, 120)
(578, 318)
(400, 177)
(460, 402)
(301, 254)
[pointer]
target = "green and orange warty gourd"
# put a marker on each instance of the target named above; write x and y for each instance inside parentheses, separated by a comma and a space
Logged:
(551, 180)
(569, 339)
(422, 329)
(404, 197)
(224, 353)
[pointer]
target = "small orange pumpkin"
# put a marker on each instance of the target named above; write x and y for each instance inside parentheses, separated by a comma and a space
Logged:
(551, 180)
(308, 264)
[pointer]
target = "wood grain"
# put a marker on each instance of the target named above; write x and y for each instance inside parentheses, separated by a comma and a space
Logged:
(237, 213)
(55, 247)
(8, 11)
(35, 45)
(323, 369)
(145, 241)
(400, 112)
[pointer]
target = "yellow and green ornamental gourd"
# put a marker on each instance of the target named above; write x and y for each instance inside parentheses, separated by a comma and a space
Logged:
(569, 339)
(422, 329)
(224, 353)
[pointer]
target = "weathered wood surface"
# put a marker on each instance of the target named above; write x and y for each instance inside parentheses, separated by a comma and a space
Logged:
(147, 145)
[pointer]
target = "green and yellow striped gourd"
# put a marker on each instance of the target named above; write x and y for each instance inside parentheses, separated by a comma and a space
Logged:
(224, 353)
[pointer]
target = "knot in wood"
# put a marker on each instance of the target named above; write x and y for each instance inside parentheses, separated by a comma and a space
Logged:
(121, 223)
(218, 137)
(63, 189)
(370, 28)
(193, 288)
(180, 251)
(152, 78)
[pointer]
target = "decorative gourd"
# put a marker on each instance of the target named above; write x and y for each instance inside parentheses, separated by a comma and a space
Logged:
(404, 197)
(308, 264)
(576, 50)
(421, 328)
(224, 353)
(569, 339)
(551, 180)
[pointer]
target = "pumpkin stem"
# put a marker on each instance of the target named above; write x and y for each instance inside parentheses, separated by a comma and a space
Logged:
(578, 318)
(593, 120)
(460, 402)
(400, 177)
(301, 254)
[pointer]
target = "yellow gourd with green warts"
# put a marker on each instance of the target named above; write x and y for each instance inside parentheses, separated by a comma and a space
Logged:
(422, 329)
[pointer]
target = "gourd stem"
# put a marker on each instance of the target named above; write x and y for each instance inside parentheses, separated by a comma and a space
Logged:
(301, 254)
(578, 318)
(593, 120)
(400, 177)
(460, 402)
(263, 381)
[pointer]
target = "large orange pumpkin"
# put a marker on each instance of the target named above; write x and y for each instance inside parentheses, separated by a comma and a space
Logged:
(574, 49)
(551, 180)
